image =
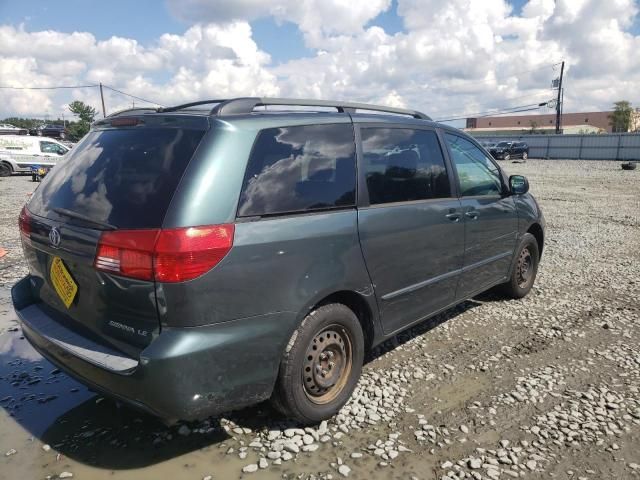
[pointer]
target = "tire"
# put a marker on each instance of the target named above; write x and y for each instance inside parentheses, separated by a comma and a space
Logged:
(525, 268)
(62, 136)
(525, 155)
(629, 166)
(507, 157)
(5, 169)
(302, 391)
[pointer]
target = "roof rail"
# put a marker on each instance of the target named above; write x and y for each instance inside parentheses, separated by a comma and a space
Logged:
(131, 110)
(191, 104)
(245, 105)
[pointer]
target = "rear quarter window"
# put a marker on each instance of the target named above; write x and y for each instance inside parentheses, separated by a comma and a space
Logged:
(124, 177)
(300, 169)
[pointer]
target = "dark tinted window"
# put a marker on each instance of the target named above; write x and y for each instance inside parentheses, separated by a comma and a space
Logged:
(477, 174)
(304, 168)
(125, 177)
(403, 164)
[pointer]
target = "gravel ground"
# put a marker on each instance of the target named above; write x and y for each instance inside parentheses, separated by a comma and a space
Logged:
(543, 387)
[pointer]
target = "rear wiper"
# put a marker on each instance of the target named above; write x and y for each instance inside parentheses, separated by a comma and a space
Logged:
(84, 218)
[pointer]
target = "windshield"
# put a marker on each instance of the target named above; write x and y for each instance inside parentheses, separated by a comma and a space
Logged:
(124, 177)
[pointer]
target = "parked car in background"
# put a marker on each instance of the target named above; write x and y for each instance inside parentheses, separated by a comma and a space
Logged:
(19, 153)
(51, 131)
(193, 261)
(508, 150)
(8, 129)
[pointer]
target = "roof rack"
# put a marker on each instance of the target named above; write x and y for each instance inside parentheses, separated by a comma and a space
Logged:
(246, 105)
(238, 106)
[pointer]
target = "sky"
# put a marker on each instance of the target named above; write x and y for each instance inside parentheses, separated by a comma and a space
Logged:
(448, 59)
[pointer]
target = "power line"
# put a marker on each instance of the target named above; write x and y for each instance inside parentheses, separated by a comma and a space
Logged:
(497, 111)
(48, 88)
(132, 96)
(490, 113)
(466, 115)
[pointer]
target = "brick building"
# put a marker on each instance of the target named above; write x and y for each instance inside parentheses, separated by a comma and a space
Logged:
(573, 122)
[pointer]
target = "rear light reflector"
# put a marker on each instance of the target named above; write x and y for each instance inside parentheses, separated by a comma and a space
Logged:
(172, 255)
(24, 222)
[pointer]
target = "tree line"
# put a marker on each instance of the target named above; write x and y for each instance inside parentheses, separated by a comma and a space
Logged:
(85, 115)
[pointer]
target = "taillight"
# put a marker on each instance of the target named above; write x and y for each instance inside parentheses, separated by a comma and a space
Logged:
(127, 252)
(24, 222)
(173, 255)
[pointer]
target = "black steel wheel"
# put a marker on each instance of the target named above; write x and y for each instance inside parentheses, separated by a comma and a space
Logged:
(524, 268)
(322, 366)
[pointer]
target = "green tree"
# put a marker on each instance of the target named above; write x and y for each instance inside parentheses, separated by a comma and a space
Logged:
(620, 119)
(86, 114)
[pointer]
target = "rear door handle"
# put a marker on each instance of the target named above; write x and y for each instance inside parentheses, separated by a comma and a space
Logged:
(472, 214)
(454, 217)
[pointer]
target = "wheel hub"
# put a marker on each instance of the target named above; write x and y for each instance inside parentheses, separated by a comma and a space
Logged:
(327, 362)
(525, 267)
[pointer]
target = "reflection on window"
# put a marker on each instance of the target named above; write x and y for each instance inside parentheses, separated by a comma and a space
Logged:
(403, 164)
(476, 173)
(302, 168)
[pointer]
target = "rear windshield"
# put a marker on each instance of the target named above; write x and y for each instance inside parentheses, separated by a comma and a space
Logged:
(124, 177)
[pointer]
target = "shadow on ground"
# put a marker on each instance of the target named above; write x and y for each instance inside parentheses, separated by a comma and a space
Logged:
(103, 433)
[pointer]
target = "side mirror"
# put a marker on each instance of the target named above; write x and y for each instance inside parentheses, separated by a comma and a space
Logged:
(518, 184)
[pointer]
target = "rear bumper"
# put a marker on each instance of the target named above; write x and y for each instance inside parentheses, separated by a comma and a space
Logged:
(185, 373)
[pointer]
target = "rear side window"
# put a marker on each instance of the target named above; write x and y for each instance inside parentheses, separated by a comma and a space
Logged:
(299, 169)
(125, 177)
(403, 164)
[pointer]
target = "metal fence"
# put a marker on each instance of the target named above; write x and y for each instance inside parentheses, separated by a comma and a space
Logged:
(611, 146)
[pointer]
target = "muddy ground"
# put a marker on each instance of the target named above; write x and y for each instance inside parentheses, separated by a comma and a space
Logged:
(544, 387)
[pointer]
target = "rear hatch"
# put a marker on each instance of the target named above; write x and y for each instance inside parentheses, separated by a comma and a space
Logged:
(119, 179)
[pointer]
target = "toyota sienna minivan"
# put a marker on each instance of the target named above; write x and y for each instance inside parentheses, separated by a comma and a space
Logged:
(195, 259)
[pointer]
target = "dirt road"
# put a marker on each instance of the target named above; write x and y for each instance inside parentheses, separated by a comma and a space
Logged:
(544, 387)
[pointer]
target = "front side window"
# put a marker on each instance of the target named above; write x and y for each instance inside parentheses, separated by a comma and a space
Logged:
(50, 147)
(402, 164)
(298, 169)
(477, 174)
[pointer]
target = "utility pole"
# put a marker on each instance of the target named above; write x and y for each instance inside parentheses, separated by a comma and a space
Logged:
(104, 111)
(558, 101)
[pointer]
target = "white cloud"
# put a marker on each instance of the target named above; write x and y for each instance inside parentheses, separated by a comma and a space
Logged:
(454, 57)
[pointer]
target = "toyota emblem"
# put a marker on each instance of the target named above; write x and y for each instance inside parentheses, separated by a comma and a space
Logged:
(54, 237)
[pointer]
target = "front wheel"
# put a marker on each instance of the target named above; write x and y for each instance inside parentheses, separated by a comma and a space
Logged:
(525, 268)
(525, 155)
(322, 365)
(5, 170)
(507, 156)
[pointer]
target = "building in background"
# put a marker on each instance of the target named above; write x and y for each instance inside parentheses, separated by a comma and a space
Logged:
(585, 122)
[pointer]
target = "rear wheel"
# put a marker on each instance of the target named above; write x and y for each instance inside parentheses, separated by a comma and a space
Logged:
(322, 366)
(5, 169)
(525, 268)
